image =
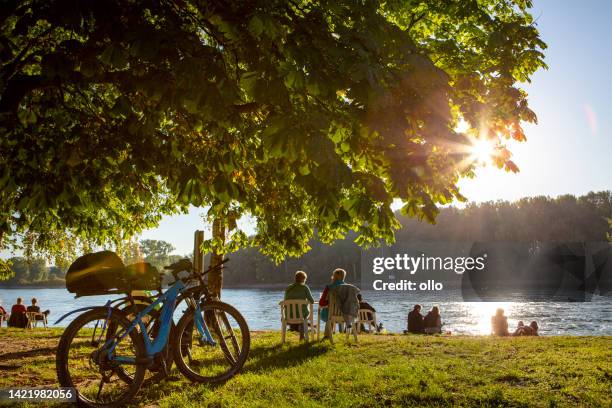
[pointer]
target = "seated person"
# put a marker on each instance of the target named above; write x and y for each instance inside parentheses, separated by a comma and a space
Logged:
(338, 276)
(415, 321)
(522, 330)
(3, 314)
(35, 308)
(18, 315)
(299, 290)
(519, 327)
(432, 322)
(346, 295)
(365, 306)
(499, 323)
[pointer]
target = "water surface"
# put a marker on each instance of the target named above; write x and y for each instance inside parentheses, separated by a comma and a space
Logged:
(261, 310)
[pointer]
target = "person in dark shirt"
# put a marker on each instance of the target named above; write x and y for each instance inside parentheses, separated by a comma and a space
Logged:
(365, 306)
(18, 315)
(35, 308)
(415, 320)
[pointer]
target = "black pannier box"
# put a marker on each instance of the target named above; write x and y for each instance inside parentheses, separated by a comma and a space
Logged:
(103, 272)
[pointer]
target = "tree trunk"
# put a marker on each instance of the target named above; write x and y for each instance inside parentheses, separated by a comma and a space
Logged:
(215, 278)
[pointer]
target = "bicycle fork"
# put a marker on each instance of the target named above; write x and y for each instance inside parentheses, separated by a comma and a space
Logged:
(204, 333)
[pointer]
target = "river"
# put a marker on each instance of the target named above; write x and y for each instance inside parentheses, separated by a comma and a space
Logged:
(261, 310)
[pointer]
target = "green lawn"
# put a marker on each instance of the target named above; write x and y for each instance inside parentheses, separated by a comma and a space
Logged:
(380, 371)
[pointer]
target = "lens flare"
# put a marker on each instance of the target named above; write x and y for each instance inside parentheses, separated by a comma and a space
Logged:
(482, 151)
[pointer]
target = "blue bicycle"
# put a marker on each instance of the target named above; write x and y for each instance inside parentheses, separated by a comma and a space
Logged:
(104, 353)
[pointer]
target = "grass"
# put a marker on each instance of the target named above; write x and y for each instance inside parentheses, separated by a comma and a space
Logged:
(380, 371)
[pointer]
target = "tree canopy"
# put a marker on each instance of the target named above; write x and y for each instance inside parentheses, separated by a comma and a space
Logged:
(303, 115)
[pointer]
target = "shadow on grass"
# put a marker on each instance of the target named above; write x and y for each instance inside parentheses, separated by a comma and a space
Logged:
(267, 357)
(27, 353)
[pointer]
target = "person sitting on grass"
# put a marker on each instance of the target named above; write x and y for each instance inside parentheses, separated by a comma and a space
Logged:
(36, 309)
(415, 321)
(522, 330)
(432, 322)
(299, 291)
(18, 315)
(499, 323)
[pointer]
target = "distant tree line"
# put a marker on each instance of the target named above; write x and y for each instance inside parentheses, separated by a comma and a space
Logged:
(33, 270)
(566, 218)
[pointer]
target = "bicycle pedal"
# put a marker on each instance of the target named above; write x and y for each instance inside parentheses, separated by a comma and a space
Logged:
(202, 342)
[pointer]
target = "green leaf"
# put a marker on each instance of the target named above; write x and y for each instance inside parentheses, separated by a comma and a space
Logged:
(256, 26)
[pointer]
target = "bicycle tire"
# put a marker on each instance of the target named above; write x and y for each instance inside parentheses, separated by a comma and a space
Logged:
(62, 356)
(185, 324)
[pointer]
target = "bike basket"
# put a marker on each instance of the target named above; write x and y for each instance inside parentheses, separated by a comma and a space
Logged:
(103, 272)
(95, 274)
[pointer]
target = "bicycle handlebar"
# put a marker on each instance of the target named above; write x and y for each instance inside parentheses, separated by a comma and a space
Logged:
(186, 265)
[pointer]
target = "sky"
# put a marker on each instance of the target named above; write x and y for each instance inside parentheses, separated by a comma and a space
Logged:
(568, 151)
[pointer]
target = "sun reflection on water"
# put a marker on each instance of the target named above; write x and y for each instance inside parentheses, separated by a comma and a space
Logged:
(480, 314)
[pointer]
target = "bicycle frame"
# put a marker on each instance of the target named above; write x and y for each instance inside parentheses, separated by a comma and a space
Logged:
(156, 345)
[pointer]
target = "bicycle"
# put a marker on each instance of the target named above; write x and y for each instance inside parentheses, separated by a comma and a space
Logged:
(211, 344)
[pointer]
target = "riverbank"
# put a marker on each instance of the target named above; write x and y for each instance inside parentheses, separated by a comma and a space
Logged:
(55, 284)
(391, 370)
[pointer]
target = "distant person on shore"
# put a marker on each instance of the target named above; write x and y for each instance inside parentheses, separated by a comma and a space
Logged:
(36, 309)
(499, 323)
(415, 321)
(299, 291)
(519, 327)
(522, 330)
(18, 315)
(432, 321)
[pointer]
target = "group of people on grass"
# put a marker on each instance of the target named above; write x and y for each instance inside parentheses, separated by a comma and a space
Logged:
(18, 316)
(499, 326)
(351, 301)
(431, 323)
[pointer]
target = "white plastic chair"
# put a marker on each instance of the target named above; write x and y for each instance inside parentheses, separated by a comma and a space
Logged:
(335, 316)
(292, 312)
(366, 316)
(33, 319)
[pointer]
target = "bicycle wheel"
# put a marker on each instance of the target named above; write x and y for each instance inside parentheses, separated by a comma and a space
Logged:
(82, 361)
(162, 364)
(201, 362)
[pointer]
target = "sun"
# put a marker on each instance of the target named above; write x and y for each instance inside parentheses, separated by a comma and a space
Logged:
(482, 151)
